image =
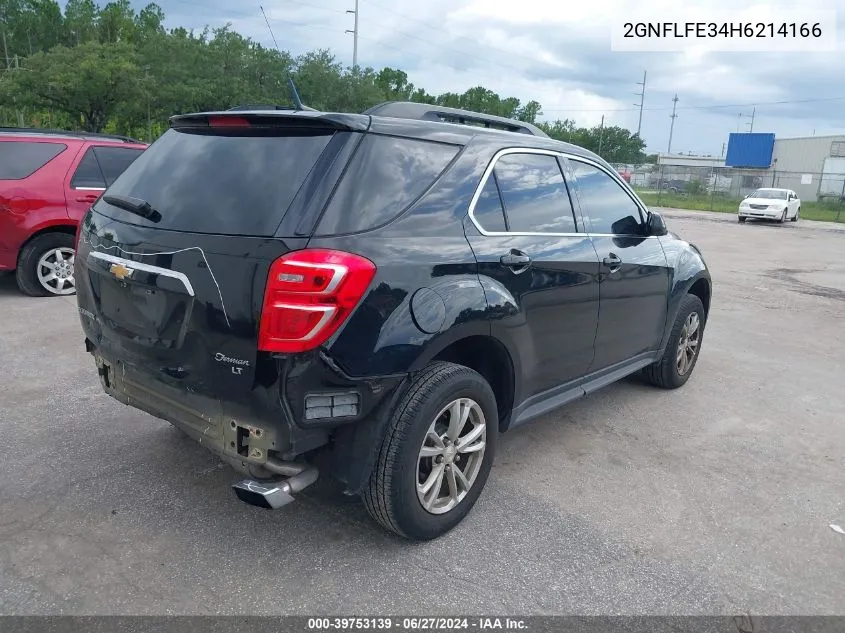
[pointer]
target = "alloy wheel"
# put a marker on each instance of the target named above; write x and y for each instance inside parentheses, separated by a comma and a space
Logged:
(55, 271)
(451, 455)
(688, 343)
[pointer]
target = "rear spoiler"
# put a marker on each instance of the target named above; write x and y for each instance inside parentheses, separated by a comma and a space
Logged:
(268, 119)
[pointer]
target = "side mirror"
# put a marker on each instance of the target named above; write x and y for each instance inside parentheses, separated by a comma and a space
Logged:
(745, 197)
(655, 224)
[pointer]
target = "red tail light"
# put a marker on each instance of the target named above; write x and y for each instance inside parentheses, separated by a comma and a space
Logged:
(309, 294)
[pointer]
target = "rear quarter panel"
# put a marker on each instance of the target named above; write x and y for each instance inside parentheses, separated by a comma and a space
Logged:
(426, 293)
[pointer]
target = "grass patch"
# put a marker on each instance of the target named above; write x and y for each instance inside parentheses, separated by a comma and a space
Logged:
(822, 211)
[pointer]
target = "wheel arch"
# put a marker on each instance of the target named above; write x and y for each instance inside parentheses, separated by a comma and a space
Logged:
(698, 284)
(355, 449)
(65, 228)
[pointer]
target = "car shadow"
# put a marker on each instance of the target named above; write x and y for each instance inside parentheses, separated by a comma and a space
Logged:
(8, 285)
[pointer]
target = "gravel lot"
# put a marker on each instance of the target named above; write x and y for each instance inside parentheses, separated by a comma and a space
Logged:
(715, 498)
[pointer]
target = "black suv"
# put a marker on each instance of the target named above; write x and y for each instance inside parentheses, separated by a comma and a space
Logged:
(381, 294)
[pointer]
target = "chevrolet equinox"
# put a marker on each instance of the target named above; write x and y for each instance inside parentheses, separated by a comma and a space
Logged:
(388, 291)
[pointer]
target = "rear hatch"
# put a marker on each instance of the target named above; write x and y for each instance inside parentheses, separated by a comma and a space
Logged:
(173, 260)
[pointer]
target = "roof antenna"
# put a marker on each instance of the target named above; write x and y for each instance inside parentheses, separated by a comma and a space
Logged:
(297, 102)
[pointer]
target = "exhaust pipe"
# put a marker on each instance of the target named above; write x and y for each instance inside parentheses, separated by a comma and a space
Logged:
(275, 493)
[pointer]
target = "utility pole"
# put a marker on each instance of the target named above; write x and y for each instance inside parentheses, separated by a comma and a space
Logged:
(18, 110)
(722, 155)
(673, 116)
(642, 101)
(753, 112)
(601, 133)
(6, 48)
(354, 32)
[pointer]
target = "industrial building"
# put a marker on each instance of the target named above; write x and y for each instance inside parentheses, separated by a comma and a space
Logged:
(812, 166)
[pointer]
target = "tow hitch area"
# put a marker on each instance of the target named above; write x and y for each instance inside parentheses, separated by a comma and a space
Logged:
(275, 493)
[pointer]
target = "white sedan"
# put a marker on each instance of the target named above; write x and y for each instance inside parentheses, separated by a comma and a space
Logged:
(770, 204)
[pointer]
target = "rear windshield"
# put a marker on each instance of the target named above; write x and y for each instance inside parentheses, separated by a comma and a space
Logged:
(21, 159)
(232, 185)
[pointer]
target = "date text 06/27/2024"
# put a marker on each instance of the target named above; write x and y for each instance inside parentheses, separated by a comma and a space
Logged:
(416, 624)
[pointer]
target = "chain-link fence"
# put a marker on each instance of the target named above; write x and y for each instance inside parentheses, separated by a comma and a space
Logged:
(723, 188)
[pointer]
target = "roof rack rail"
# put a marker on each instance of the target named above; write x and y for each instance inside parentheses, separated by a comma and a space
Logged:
(427, 112)
(77, 134)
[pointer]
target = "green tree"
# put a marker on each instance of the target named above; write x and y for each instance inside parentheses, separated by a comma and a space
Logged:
(393, 85)
(529, 112)
(87, 82)
(116, 22)
(80, 22)
(150, 22)
(110, 68)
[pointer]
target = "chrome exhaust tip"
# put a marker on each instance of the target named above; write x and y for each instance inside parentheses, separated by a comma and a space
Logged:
(275, 493)
(271, 495)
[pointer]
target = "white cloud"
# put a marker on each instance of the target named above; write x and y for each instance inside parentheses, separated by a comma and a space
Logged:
(559, 54)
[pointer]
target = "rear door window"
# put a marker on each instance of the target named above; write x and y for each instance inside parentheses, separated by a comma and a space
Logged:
(88, 174)
(488, 211)
(21, 159)
(534, 193)
(114, 160)
(228, 184)
(384, 177)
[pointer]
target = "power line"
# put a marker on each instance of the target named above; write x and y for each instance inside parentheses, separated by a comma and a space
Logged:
(439, 29)
(314, 6)
(694, 107)
(269, 28)
(250, 14)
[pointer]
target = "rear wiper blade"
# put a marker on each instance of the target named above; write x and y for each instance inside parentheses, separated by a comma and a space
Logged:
(133, 205)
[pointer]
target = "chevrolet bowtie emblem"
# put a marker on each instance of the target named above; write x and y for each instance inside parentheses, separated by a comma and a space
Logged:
(120, 271)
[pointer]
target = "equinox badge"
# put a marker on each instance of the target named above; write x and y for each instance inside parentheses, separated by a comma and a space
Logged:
(120, 271)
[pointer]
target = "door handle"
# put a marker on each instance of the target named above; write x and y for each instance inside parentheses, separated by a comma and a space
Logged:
(612, 261)
(91, 197)
(515, 258)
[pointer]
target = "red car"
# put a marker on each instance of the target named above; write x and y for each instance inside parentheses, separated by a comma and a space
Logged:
(48, 179)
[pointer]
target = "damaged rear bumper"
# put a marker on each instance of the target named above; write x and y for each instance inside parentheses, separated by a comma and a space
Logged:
(281, 422)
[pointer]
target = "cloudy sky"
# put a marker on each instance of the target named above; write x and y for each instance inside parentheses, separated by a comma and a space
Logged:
(558, 52)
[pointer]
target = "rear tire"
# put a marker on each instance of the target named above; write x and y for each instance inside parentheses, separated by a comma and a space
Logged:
(667, 372)
(407, 462)
(795, 217)
(37, 256)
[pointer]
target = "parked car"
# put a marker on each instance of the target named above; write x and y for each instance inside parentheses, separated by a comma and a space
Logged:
(390, 290)
(673, 186)
(48, 179)
(770, 204)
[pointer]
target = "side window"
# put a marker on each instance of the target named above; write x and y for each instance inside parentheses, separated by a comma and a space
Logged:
(386, 174)
(20, 159)
(534, 194)
(488, 211)
(88, 173)
(610, 210)
(114, 161)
